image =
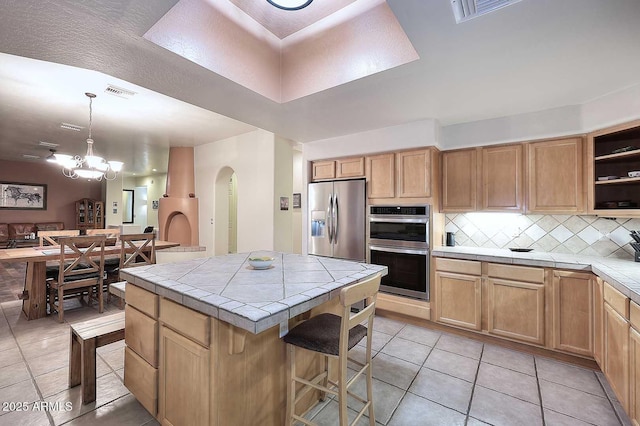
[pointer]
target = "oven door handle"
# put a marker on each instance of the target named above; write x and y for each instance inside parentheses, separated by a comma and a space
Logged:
(398, 220)
(400, 250)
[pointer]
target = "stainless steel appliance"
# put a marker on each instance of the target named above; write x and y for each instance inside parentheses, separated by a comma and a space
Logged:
(337, 219)
(399, 239)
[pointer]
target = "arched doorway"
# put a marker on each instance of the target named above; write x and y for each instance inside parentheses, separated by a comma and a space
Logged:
(226, 212)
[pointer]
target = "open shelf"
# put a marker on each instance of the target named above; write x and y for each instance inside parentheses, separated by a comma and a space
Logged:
(618, 181)
(618, 156)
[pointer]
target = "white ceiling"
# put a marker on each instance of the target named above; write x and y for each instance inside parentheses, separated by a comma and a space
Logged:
(534, 55)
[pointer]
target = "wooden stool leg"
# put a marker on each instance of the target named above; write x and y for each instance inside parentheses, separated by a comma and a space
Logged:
(342, 389)
(325, 381)
(89, 371)
(75, 361)
(291, 385)
(60, 304)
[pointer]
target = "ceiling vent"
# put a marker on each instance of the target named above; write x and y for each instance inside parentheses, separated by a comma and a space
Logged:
(48, 144)
(119, 92)
(69, 126)
(464, 10)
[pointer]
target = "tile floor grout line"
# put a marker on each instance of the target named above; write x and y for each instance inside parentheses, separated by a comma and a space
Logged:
(24, 360)
(535, 369)
(473, 387)
(606, 394)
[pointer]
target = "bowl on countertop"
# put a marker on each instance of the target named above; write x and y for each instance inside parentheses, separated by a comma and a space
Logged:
(261, 262)
(520, 250)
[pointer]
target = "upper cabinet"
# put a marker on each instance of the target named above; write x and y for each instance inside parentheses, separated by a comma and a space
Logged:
(502, 178)
(555, 183)
(613, 157)
(414, 173)
(459, 180)
(380, 170)
(350, 168)
(323, 170)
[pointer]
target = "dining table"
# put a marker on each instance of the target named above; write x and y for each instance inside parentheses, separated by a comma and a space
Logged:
(34, 296)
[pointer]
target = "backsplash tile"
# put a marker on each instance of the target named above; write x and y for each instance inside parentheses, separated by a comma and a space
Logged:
(587, 235)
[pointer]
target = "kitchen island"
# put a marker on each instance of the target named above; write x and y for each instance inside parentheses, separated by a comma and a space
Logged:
(203, 335)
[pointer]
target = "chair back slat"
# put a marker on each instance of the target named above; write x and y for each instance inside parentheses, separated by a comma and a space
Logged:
(79, 256)
(365, 290)
(51, 237)
(108, 232)
(141, 248)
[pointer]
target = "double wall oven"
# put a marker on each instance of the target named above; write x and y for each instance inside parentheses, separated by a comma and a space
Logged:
(399, 239)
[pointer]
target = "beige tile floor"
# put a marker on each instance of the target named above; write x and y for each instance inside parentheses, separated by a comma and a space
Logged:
(421, 377)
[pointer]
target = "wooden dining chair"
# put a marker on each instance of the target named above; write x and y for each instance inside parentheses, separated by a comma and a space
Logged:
(81, 268)
(111, 262)
(333, 336)
(135, 250)
(50, 238)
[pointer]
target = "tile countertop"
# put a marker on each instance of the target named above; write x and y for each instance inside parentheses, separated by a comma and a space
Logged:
(624, 275)
(228, 288)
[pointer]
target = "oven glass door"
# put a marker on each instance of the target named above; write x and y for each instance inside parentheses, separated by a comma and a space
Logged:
(398, 231)
(408, 271)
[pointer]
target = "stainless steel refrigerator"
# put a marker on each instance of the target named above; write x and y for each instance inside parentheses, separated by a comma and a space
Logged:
(337, 219)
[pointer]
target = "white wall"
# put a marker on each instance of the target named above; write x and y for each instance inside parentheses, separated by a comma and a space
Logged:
(113, 194)
(283, 184)
(298, 187)
(156, 186)
(251, 156)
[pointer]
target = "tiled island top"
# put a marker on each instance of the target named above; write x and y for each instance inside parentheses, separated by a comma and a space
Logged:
(228, 288)
(624, 275)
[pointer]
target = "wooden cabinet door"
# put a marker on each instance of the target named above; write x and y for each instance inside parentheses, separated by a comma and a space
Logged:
(634, 378)
(350, 167)
(555, 181)
(323, 170)
(381, 182)
(414, 173)
(502, 178)
(516, 310)
(458, 299)
(184, 380)
(598, 308)
(616, 355)
(573, 312)
(459, 180)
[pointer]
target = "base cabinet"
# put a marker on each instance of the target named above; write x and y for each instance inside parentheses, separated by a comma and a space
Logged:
(458, 299)
(616, 354)
(634, 382)
(598, 308)
(573, 312)
(184, 380)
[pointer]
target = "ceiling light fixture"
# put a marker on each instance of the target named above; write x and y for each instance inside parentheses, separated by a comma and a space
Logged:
(91, 166)
(51, 158)
(290, 4)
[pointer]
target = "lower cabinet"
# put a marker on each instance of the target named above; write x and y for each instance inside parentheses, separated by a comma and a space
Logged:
(184, 380)
(458, 293)
(598, 308)
(573, 312)
(616, 353)
(634, 377)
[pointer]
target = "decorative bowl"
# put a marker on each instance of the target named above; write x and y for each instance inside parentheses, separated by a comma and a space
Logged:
(262, 262)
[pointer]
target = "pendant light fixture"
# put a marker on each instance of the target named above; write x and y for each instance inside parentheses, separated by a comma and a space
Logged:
(91, 166)
(290, 4)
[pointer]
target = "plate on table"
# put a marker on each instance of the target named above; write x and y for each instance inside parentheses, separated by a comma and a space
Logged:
(520, 250)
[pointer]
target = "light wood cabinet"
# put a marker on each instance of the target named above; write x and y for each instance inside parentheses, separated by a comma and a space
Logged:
(380, 171)
(323, 170)
(516, 302)
(634, 376)
(459, 180)
(89, 214)
(616, 353)
(502, 178)
(184, 380)
(598, 307)
(458, 293)
(414, 173)
(555, 176)
(573, 312)
(350, 168)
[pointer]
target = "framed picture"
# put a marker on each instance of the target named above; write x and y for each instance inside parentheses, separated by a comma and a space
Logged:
(154, 204)
(284, 203)
(23, 196)
(297, 200)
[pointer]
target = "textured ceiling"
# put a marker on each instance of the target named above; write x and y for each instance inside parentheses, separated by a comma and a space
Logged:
(283, 23)
(531, 56)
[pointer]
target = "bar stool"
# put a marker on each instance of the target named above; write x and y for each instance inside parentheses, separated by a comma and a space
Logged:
(332, 336)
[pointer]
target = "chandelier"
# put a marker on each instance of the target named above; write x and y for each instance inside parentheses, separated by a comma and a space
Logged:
(290, 4)
(90, 166)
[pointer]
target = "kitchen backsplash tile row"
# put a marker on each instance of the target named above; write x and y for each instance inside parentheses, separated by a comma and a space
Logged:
(586, 235)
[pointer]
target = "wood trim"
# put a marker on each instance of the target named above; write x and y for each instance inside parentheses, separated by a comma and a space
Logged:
(404, 305)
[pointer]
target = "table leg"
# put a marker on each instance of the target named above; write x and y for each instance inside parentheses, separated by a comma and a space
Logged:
(75, 361)
(35, 306)
(88, 371)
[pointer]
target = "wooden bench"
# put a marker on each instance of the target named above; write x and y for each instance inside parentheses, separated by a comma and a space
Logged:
(118, 289)
(86, 337)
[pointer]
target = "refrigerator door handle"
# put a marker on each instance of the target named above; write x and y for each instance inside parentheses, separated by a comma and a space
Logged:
(336, 219)
(329, 218)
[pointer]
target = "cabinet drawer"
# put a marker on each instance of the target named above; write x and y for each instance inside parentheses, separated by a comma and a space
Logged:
(618, 301)
(518, 273)
(142, 300)
(468, 267)
(634, 315)
(186, 321)
(142, 380)
(141, 334)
